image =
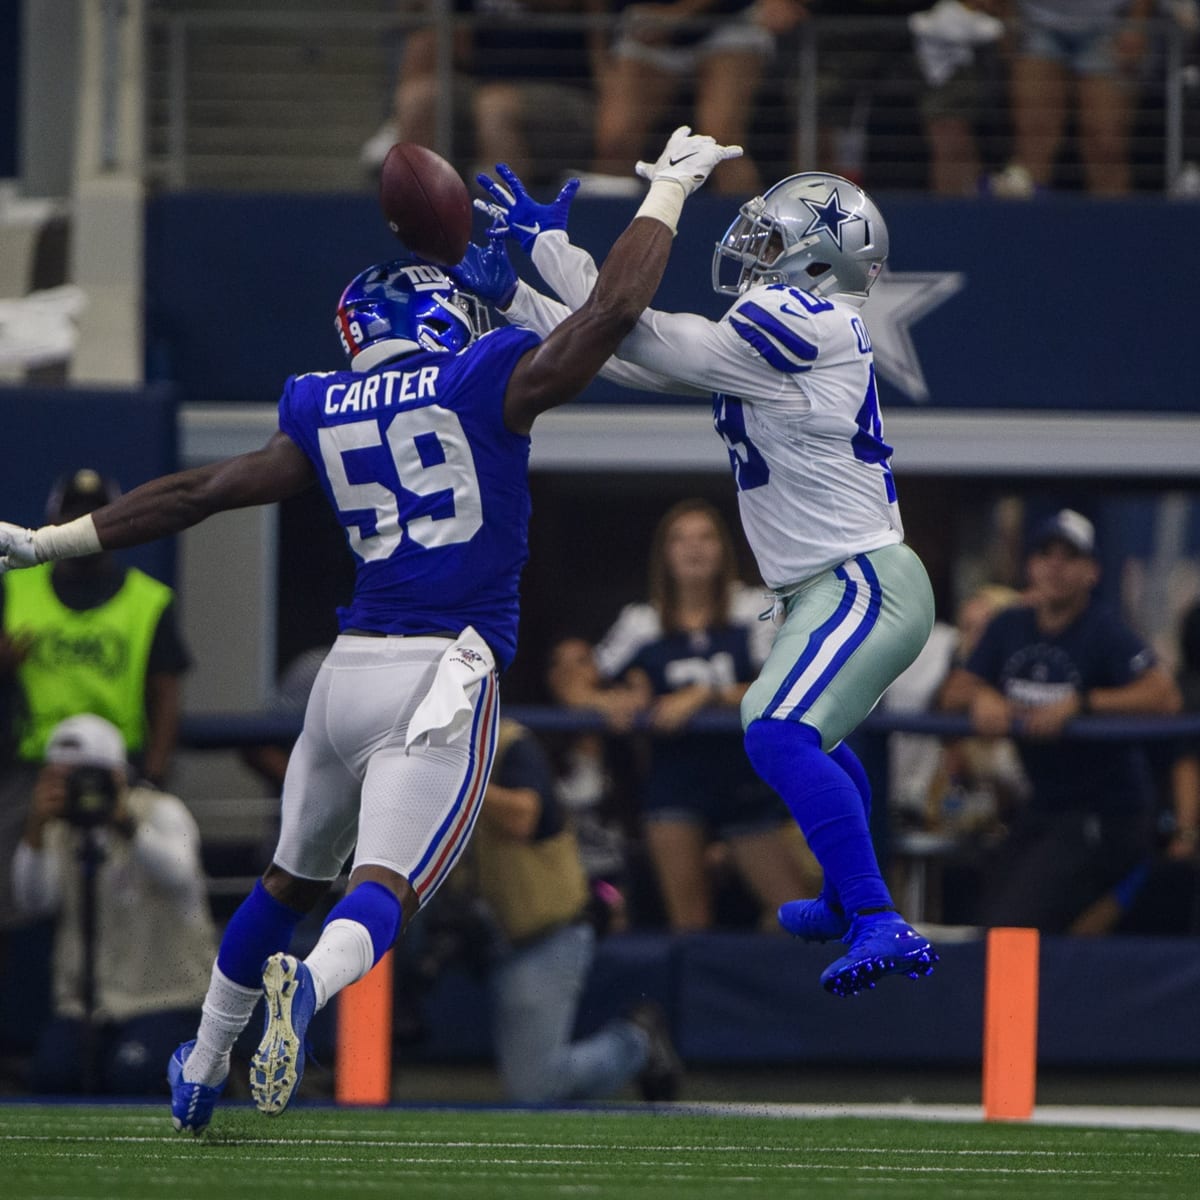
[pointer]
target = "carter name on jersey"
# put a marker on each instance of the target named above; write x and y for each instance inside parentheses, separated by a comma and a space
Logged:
(381, 390)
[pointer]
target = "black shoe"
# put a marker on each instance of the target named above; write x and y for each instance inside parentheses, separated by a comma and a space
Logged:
(659, 1079)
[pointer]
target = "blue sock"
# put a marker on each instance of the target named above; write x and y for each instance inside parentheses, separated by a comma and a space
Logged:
(260, 927)
(827, 805)
(375, 908)
(849, 762)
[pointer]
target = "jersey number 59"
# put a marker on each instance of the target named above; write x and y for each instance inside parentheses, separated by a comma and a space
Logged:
(431, 454)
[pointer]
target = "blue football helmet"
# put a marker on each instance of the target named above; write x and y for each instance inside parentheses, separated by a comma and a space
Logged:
(815, 231)
(402, 307)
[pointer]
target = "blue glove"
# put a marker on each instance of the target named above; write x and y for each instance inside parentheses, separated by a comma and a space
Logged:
(517, 213)
(485, 270)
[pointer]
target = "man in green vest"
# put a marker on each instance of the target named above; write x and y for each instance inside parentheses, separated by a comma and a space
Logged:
(83, 635)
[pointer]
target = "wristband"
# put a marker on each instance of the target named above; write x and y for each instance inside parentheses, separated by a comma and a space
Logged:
(72, 540)
(663, 202)
(1085, 705)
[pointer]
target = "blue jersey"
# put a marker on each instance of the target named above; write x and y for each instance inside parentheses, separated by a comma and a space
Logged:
(715, 657)
(1032, 668)
(706, 777)
(430, 485)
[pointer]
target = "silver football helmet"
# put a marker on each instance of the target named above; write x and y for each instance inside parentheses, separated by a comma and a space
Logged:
(815, 231)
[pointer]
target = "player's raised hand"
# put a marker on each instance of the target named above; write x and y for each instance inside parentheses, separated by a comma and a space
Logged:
(16, 548)
(517, 212)
(486, 270)
(688, 159)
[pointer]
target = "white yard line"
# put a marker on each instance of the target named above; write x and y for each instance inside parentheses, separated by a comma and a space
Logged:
(1097, 1115)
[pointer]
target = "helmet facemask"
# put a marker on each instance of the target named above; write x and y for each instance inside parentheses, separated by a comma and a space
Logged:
(813, 231)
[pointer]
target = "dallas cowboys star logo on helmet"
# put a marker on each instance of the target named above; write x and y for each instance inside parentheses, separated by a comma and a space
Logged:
(829, 216)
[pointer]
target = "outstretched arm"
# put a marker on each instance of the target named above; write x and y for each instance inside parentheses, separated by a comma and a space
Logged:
(531, 309)
(571, 356)
(562, 365)
(487, 272)
(166, 505)
(683, 353)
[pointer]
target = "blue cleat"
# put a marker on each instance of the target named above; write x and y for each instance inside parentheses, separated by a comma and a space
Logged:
(819, 920)
(880, 944)
(192, 1104)
(278, 1064)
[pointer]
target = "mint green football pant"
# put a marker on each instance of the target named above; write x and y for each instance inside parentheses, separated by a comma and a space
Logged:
(847, 634)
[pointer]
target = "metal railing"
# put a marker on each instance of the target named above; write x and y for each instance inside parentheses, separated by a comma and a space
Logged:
(223, 731)
(917, 849)
(276, 100)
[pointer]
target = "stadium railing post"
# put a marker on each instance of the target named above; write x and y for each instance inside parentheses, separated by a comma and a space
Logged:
(1010, 1024)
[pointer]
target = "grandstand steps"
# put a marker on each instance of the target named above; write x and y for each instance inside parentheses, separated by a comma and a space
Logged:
(282, 104)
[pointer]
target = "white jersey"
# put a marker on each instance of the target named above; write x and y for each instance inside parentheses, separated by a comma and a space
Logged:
(639, 624)
(792, 379)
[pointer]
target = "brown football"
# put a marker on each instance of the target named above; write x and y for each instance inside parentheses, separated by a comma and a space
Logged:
(425, 203)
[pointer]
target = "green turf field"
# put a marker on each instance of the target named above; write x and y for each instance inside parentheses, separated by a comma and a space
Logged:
(114, 1153)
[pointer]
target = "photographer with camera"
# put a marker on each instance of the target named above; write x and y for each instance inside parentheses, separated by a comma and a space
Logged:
(82, 635)
(120, 868)
(518, 910)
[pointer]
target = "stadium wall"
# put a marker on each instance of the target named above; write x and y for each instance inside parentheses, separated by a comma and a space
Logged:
(1062, 304)
(754, 1000)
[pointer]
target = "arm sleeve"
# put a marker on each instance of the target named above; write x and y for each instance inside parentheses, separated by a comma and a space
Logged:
(985, 659)
(530, 309)
(526, 765)
(1126, 655)
(568, 269)
(168, 652)
(167, 845)
(636, 625)
(35, 881)
(675, 348)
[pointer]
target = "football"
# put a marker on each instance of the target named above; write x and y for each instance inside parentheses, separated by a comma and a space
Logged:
(425, 203)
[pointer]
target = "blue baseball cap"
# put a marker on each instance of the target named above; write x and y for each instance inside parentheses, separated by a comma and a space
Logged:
(1069, 527)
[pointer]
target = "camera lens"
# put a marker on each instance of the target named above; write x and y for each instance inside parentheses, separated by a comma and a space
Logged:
(91, 797)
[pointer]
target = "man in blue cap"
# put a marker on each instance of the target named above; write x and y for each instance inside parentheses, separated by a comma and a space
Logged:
(1036, 668)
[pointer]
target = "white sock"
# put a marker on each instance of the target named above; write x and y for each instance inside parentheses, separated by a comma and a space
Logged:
(227, 1009)
(343, 954)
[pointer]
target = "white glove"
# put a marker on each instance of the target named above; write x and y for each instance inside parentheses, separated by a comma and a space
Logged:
(688, 159)
(16, 548)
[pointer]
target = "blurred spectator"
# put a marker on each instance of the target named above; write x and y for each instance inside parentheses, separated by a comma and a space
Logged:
(1185, 14)
(931, 784)
(980, 780)
(84, 635)
(120, 867)
(721, 45)
(866, 78)
(1089, 818)
(524, 89)
(1088, 52)
(1162, 896)
(695, 645)
(955, 44)
(1185, 781)
(589, 790)
(520, 899)
(269, 759)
